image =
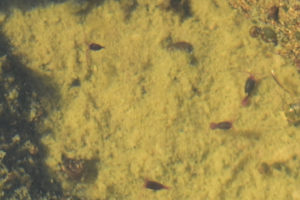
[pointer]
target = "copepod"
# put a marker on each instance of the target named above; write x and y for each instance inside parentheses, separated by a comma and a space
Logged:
(250, 85)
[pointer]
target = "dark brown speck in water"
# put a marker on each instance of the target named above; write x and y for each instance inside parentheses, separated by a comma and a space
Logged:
(181, 46)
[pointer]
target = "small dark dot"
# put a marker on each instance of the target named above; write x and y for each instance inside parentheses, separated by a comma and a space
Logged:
(264, 169)
(75, 83)
(225, 125)
(250, 85)
(221, 125)
(153, 185)
(181, 46)
(95, 47)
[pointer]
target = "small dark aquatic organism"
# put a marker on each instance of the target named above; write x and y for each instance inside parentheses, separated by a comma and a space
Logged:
(95, 47)
(153, 185)
(75, 82)
(250, 85)
(92, 47)
(264, 169)
(181, 46)
(225, 125)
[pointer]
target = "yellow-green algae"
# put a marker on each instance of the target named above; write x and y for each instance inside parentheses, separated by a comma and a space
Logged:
(137, 110)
